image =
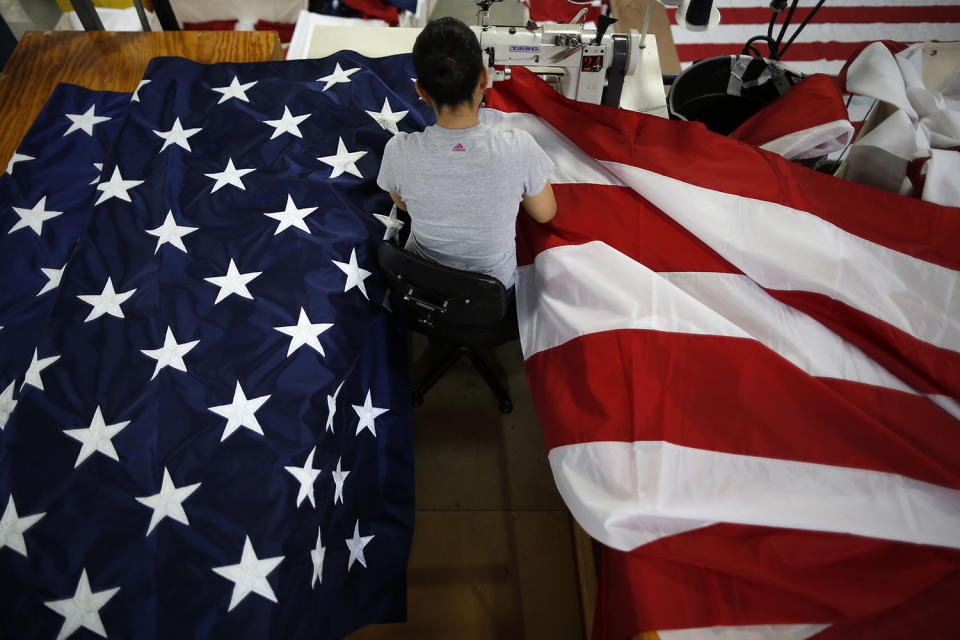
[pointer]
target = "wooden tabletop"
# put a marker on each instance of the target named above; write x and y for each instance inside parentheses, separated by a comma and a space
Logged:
(106, 60)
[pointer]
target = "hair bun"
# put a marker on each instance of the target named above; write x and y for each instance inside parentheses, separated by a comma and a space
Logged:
(447, 71)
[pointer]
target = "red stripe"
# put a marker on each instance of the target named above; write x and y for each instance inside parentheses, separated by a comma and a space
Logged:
(741, 575)
(798, 51)
(849, 15)
(734, 395)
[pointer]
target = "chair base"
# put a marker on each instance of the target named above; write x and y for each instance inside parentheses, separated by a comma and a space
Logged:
(505, 404)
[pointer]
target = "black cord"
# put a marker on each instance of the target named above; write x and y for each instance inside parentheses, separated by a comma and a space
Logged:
(800, 28)
(783, 29)
(748, 45)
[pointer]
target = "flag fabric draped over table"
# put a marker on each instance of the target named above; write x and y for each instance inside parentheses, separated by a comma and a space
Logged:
(206, 421)
(747, 376)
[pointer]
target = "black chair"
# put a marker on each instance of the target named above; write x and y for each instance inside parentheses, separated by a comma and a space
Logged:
(464, 310)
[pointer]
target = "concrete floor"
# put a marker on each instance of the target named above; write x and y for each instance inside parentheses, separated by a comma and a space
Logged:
(23, 15)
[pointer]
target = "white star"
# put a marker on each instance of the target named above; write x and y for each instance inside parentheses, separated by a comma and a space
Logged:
(338, 75)
(391, 222)
(97, 437)
(230, 175)
(17, 157)
(291, 216)
(176, 135)
(116, 187)
(83, 609)
(33, 371)
(234, 90)
(233, 282)
(387, 118)
(240, 413)
(99, 167)
(84, 122)
(355, 275)
(356, 545)
(304, 333)
(7, 403)
(12, 527)
(170, 232)
(249, 575)
(136, 92)
(287, 124)
(34, 217)
(54, 276)
(170, 354)
(169, 502)
(306, 476)
(344, 161)
(368, 414)
(316, 555)
(107, 301)
(332, 406)
(338, 478)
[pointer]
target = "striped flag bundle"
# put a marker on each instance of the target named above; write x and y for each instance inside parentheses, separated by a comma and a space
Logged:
(747, 377)
(204, 410)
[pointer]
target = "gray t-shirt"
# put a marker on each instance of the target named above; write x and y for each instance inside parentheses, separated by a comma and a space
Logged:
(462, 188)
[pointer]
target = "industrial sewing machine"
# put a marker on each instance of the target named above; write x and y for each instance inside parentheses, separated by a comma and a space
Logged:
(589, 65)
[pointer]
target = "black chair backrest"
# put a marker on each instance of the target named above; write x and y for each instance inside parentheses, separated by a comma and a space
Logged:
(441, 294)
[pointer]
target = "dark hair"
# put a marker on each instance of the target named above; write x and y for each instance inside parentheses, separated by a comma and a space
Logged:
(447, 60)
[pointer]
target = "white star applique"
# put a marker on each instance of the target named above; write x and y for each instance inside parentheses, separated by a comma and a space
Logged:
(17, 157)
(368, 414)
(316, 556)
(249, 575)
(53, 279)
(230, 175)
(7, 403)
(356, 545)
(306, 476)
(97, 437)
(170, 232)
(168, 503)
(12, 526)
(338, 479)
(392, 223)
(291, 216)
(84, 122)
(170, 354)
(116, 187)
(355, 275)
(99, 167)
(234, 90)
(233, 282)
(177, 135)
(37, 365)
(83, 609)
(240, 413)
(338, 75)
(304, 333)
(332, 406)
(136, 92)
(344, 161)
(287, 124)
(387, 118)
(33, 217)
(107, 301)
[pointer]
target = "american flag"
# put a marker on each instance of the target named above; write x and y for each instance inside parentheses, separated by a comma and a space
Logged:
(205, 409)
(747, 376)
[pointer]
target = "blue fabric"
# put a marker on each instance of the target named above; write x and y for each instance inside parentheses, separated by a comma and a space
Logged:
(93, 521)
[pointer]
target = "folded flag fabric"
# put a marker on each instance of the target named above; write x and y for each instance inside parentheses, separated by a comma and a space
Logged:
(213, 436)
(747, 376)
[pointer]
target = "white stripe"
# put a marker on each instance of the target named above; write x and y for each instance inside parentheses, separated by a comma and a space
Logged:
(788, 249)
(842, 3)
(807, 67)
(614, 489)
(737, 34)
(746, 632)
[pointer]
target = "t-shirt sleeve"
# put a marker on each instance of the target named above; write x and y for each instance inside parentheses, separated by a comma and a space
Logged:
(387, 178)
(536, 167)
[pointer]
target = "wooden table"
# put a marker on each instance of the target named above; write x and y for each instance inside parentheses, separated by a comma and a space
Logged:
(106, 60)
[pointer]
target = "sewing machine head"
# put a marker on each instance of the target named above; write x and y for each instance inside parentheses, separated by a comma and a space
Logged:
(589, 65)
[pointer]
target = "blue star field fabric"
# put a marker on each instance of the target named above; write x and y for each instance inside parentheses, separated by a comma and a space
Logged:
(215, 439)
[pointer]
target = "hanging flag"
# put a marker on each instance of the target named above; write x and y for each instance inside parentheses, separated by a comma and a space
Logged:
(747, 375)
(213, 436)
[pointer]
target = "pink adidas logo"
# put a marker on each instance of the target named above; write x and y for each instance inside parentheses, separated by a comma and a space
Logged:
(459, 147)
